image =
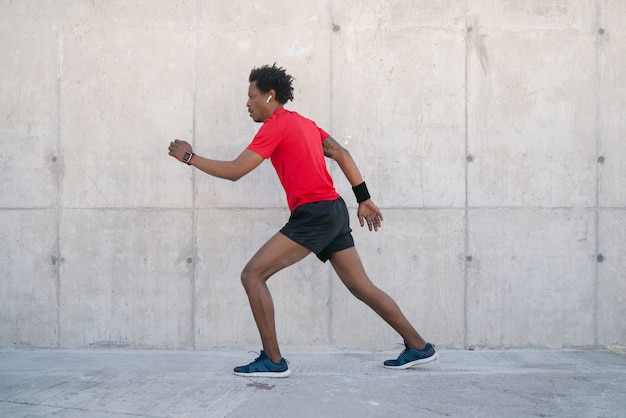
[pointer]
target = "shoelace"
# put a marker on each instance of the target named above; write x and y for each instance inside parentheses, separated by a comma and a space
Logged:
(257, 353)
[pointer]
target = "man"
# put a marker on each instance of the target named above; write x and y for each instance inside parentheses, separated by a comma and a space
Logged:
(319, 221)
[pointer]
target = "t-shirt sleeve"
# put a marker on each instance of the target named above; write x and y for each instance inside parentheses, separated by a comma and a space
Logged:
(323, 134)
(266, 140)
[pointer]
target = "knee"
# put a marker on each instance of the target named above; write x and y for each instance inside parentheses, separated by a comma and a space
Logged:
(249, 278)
(363, 293)
(358, 293)
(246, 278)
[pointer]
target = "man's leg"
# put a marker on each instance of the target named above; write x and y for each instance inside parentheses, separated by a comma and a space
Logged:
(276, 254)
(349, 268)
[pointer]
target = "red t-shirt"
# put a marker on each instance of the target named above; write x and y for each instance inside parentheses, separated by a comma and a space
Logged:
(294, 145)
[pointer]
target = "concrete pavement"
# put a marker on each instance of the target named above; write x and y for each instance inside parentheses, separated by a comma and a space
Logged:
(332, 383)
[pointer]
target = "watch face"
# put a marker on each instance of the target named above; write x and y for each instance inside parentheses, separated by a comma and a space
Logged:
(187, 157)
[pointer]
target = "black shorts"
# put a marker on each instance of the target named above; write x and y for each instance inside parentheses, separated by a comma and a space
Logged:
(322, 227)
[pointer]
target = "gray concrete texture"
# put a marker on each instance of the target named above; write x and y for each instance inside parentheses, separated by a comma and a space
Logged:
(328, 383)
(491, 134)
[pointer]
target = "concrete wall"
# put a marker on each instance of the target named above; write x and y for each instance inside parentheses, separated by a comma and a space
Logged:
(490, 132)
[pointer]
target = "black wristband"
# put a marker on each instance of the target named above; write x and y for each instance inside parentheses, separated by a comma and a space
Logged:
(361, 193)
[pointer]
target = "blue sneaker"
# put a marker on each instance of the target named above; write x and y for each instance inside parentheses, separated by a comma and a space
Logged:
(412, 357)
(264, 367)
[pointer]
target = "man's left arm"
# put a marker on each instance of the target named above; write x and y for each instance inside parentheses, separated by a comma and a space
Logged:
(368, 211)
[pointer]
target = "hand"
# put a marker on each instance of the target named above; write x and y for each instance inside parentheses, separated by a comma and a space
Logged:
(368, 212)
(178, 149)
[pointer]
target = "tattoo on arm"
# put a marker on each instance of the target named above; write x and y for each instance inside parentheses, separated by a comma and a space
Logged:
(330, 147)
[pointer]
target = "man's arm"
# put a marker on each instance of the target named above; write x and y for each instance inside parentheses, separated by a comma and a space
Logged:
(230, 170)
(333, 150)
(368, 211)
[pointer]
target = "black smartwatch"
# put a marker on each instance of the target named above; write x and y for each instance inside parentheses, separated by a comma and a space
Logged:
(187, 157)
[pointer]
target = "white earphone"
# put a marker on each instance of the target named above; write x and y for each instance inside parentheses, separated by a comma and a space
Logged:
(268, 99)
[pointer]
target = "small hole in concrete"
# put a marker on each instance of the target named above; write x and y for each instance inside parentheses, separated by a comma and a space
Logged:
(600, 258)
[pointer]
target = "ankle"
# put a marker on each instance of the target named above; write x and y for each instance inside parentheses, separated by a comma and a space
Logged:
(274, 357)
(421, 346)
(275, 360)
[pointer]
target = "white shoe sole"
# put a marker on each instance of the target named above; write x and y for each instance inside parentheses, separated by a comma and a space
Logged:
(278, 375)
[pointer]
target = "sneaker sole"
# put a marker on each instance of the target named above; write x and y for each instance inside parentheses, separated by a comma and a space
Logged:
(414, 363)
(278, 375)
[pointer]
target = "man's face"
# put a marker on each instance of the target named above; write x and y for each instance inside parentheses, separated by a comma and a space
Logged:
(257, 104)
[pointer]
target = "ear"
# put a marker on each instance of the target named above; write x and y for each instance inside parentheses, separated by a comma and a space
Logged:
(272, 93)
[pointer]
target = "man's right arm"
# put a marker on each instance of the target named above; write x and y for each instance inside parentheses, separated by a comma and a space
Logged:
(231, 170)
